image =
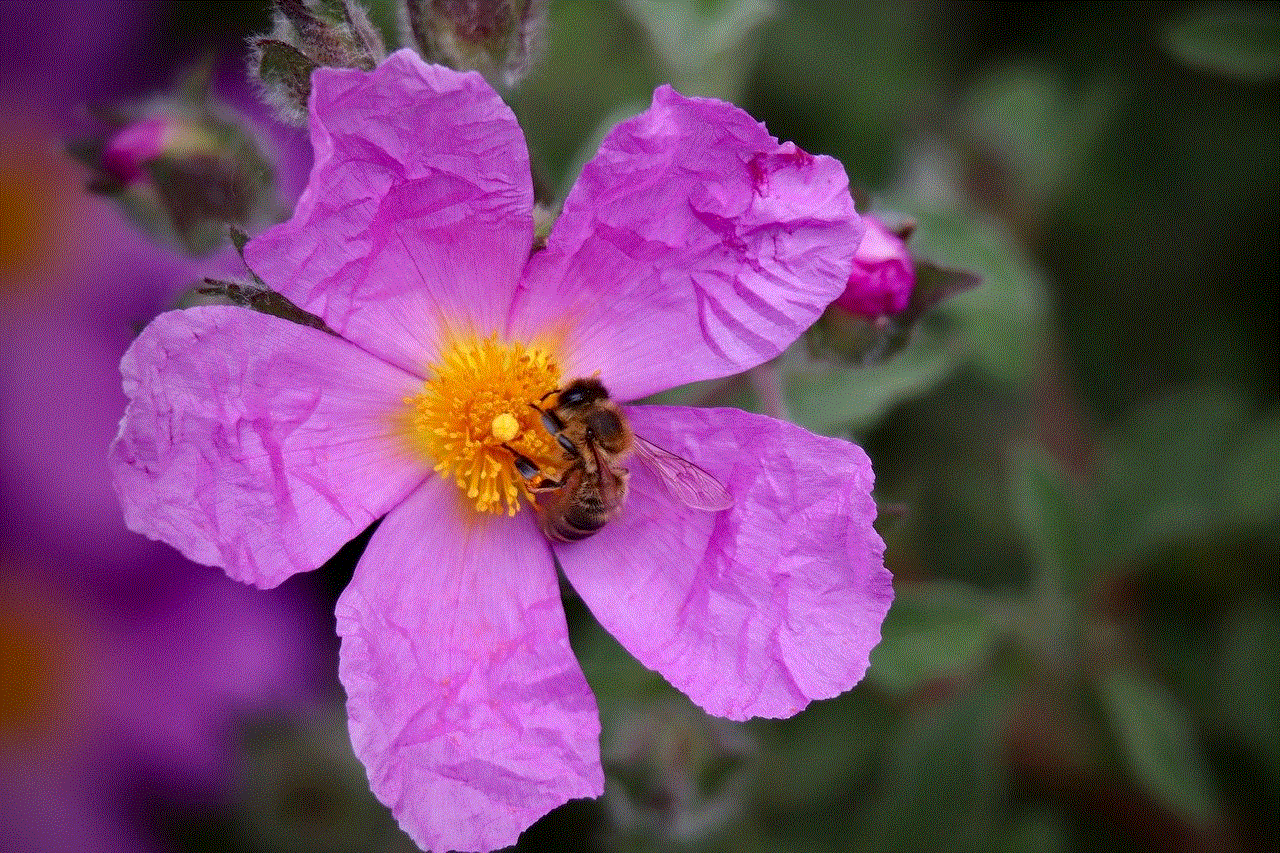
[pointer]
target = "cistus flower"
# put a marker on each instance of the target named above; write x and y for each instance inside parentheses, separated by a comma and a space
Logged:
(883, 274)
(694, 245)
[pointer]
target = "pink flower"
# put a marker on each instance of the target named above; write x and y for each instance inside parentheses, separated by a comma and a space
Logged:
(693, 246)
(98, 712)
(883, 275)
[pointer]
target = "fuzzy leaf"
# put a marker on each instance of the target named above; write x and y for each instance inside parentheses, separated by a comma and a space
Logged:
(1155, 735)
(286, 71)
(932, 631)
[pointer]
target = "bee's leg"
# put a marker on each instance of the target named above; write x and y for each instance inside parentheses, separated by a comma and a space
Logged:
(552, 423)
(567, 446)
(529, 469)
(550, 420)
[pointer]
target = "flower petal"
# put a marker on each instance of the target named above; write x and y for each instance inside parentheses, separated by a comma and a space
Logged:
(466, 703)
(757, 609)
(255, 444)
(693, 246)
(419, 204)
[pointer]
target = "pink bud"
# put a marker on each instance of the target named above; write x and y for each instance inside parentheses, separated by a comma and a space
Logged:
(883, 274)
(149, 139)
(135, 146)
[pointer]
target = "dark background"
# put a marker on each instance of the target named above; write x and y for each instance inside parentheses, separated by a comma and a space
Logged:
(1078, 462)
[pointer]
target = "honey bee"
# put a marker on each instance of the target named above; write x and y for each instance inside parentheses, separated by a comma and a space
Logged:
(595, 438)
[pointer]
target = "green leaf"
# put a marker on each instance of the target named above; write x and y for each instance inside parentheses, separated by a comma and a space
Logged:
(1186, 466)
(816, 756)
(1028, 119)
(1001, 323)
(1040, 830)
(1155, 735)
(1248, 681)
(933, 630)
(1058, 528)
(1252, 481)
(832, 400)
(944, 780)
(1232, 39)
(706, 47)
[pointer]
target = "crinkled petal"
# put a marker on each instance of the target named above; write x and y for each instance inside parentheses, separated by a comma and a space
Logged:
(256, 444)
(757, 609)
(466, 703)
(693, 246)
(417, 213)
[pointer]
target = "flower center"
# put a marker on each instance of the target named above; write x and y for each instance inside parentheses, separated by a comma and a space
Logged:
(477, 401)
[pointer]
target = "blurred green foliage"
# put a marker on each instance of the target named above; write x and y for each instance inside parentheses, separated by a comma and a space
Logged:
(1085, 450)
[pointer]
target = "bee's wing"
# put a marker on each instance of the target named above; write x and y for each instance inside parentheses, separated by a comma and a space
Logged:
(683, 480)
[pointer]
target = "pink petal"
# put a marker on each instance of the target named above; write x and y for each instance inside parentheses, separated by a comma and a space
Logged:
(256, 444)
(692, 246)
(755, 610)
(466, 703)
(419, 203)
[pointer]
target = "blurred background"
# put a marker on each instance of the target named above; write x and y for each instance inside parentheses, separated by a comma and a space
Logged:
(1078, 461)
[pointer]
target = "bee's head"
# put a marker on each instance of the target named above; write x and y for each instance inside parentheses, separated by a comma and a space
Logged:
(581, 392)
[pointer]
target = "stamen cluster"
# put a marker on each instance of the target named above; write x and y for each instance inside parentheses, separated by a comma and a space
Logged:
(478, 400)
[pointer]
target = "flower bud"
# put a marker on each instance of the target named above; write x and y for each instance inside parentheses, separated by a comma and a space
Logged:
(181, 170)
(133, 148)
(883, 275)
(305, 38)
(498, 38)
(887, 295)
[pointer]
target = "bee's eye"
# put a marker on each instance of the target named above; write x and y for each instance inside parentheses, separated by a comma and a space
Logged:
(604, 424)
(582, 392)
(574, 396)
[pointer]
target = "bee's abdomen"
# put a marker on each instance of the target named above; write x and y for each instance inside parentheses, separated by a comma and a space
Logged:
(579, 522)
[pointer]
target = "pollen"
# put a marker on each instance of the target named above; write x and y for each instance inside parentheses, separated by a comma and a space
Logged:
(505, 427)
(474, 414)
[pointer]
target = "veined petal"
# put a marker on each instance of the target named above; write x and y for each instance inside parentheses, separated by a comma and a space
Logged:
(757, 609)
(466, 703)
(256, 444)
(418, 213)
(693, 246)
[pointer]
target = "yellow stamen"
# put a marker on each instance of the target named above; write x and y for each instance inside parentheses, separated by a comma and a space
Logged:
(476, 401)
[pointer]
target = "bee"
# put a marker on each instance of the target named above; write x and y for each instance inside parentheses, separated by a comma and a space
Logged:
(595, 438)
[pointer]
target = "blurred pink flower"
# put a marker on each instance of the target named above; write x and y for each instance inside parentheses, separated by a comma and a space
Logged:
(107, 704)
(123, 666)
(883, 274)
(693, 246)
